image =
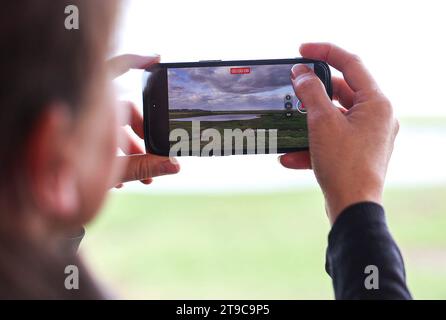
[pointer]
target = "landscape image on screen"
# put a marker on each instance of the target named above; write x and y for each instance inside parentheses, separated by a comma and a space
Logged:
(255, 97)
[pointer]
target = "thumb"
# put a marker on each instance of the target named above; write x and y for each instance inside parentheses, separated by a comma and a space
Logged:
(310, 90)
(145, 166)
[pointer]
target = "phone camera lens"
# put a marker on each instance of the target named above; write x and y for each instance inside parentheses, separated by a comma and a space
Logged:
(288, 105)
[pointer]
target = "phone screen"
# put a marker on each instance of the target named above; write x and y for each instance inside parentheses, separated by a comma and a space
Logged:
(253, 100)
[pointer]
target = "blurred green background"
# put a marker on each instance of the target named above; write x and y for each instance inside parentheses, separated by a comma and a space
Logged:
(249, 246)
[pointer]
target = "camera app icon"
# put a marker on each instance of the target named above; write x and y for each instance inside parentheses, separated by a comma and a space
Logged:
(288, 102)
(288, 105)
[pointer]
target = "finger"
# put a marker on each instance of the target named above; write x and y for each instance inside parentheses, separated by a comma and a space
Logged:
(135, 118)
(119, 186)
(121, 64)
(128, 144)
(310, 90)
(143, 167)
(342, 92)
(296, 160)
(355, 73)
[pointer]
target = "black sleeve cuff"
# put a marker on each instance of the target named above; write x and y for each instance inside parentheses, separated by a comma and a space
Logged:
(368, 215)
(360, 238)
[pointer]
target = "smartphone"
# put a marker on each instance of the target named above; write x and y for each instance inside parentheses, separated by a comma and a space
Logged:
(216, 108)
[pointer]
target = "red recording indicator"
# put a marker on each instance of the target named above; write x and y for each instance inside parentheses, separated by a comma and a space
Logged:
(243, 70)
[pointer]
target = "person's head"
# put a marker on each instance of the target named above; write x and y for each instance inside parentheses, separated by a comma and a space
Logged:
(57, 132)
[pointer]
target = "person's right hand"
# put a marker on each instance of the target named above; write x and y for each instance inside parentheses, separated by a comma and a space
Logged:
(349, 148)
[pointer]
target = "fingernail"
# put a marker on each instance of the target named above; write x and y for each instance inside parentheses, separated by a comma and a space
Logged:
(169, 166)
(278, 159)
(299, 69)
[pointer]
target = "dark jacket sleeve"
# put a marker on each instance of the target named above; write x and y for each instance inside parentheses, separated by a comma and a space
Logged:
(363, 260)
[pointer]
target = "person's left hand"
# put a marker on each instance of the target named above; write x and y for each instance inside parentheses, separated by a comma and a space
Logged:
(138, 164)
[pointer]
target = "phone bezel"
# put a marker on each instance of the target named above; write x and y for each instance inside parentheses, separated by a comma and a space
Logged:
(156, 105)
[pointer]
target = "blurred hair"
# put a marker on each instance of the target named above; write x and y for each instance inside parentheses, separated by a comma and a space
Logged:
(43, 62)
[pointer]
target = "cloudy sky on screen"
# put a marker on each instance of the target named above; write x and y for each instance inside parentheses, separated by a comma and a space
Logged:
(215, 88)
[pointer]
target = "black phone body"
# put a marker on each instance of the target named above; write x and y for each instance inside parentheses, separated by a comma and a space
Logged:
(189, 106)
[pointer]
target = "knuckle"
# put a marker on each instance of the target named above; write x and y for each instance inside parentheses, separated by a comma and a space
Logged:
(140, 169)
(354, 59)
(307, 83)
(384, 107)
